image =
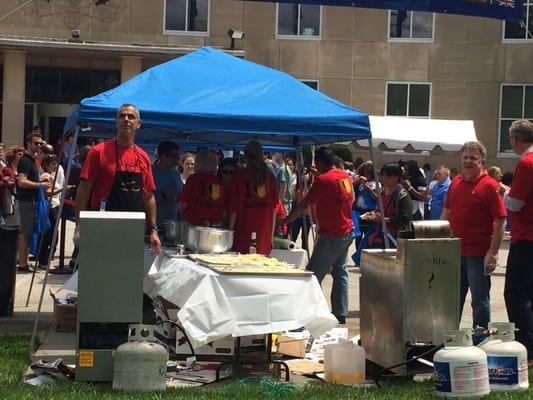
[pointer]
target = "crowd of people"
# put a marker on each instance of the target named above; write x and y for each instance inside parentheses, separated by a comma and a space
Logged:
(259, 196)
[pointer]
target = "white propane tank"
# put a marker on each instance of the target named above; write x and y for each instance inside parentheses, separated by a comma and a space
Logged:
(140, 364)
(460, 368)
(344, 363)
(506, 358)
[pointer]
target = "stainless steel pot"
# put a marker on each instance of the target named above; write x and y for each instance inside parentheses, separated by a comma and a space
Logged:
(191, 237)
(213, 240)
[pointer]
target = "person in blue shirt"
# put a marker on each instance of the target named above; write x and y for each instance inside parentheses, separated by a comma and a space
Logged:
(167, 181)
(439, 191)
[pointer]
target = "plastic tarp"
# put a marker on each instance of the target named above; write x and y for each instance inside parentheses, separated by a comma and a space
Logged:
(419, 133)
(209, 97)
(213, 306)
(510, 10)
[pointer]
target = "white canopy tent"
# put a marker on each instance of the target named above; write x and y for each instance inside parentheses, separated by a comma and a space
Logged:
(421, 134)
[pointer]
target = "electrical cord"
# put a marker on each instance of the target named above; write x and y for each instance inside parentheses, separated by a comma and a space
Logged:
(168, 321)
(382, 371)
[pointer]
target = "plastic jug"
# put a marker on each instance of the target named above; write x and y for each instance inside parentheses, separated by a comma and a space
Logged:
(344, 363)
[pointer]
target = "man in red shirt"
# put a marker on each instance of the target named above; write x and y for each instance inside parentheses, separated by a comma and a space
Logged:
(477, 216)
(117, 175)
(519, 274)
(332, 194)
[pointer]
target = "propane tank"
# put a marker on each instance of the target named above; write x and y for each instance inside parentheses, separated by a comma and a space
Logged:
(140, 364)
(506, 358)
(344, 363)
(460, 367)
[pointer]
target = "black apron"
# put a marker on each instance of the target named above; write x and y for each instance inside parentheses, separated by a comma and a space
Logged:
(126, 193)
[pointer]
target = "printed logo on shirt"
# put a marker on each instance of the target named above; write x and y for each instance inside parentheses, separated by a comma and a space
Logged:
(260, 191)
(214, 191)
(347, 185)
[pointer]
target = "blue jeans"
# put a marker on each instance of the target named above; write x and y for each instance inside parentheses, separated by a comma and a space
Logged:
(472, 275)
(330, 253)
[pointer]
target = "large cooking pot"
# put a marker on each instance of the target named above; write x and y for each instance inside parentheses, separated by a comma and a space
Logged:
(214, 240)
(209, 240)
(191, 237)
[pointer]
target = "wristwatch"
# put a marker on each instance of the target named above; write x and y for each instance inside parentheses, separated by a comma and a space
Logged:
(151, 228)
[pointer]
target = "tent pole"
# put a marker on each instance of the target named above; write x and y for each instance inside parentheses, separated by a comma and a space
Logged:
(55, 234)
(303, 186)
(378, 189)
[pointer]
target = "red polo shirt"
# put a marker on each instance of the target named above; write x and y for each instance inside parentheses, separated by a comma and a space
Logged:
(474, 205)
(522, 189)
(332, 192)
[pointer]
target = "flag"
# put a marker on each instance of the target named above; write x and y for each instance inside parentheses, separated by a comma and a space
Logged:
(509, 10)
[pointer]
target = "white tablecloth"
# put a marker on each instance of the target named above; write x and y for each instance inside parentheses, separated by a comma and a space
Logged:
(213, 306)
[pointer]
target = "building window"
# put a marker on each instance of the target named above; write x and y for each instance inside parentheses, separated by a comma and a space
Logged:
(411, 25)
(408, 99)
(68, 86)
(517, 30)
(312, 84)
(299, 20)
(516, 103)
(190, 16)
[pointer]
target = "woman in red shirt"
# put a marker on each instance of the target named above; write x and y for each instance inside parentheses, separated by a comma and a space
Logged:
(252, 204)
(201, 201)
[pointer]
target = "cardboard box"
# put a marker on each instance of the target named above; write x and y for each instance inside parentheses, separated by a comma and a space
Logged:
(291, 346)
(253, 343)
(222, 347)
(65, 316)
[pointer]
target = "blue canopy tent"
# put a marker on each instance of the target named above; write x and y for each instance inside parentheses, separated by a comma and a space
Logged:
(211, 98)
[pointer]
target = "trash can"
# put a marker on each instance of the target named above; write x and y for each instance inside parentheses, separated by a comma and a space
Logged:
(8, 268)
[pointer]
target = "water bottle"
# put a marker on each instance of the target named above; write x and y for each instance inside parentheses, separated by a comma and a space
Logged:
(102, 204)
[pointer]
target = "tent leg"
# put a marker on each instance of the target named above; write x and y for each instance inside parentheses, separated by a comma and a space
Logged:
(54, 237)
(378, 189)
(303, 186)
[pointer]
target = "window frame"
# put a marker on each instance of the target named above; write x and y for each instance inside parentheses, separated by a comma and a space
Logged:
(515, 40)
(298, 36)
(171, 32)
(508, 153)
(408, 83)
(410, 39)
(304, 81)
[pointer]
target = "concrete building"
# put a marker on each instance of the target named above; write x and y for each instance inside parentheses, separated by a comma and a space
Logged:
(55, 52)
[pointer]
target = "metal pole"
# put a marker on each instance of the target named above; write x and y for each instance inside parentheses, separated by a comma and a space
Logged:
(54, 237)
(378, 190)
(300, 162)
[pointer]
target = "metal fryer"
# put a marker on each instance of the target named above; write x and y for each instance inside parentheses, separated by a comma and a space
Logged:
(410, 295)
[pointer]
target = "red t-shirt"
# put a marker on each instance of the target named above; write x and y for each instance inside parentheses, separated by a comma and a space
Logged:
(332, 192)
(204, 195)
(255, 211)
(101, 163)
(522, 189)
(473, 208)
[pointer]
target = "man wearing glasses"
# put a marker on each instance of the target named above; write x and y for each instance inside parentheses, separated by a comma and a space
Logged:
(28, 185)
(117, 175)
